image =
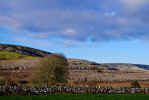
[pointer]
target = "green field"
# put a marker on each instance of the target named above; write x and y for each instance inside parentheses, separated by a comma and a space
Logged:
(80, 97)
(4, 55)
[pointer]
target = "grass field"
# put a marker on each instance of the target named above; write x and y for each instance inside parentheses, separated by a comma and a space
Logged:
(4, 55)
(80, 97)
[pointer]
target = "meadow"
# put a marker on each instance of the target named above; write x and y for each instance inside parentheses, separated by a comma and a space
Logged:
(80, 97)
(5, 55)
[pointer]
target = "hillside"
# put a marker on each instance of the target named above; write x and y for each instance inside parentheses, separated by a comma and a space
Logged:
(13, 59)
(82, 70)
(5, 55)
(108, 66)
(23, 50)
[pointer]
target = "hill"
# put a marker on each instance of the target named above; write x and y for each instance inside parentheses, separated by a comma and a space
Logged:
(17, 49)
(108, 66)
(82, 70)
(13, 59)
(5, 55)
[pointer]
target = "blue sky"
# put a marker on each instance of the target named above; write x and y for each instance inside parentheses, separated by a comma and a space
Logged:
(104, 31)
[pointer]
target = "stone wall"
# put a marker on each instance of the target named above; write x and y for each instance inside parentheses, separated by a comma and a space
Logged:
(63, 89)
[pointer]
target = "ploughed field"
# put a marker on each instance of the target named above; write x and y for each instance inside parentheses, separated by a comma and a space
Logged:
(79, 97)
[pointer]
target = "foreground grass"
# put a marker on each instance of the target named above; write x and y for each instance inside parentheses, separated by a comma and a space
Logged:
(80, 97)
(4, 55)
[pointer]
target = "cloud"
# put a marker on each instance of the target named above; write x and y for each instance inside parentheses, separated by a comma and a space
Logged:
(76, 20)
(134, 3)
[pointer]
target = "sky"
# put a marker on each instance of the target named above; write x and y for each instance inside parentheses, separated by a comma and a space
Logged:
(104, 31)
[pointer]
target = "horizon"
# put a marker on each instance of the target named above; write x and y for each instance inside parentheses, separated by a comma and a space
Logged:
(75, 58)
(102, 31)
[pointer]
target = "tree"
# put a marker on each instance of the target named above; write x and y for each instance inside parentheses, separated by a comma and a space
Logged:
(52, 69)
(135, 84)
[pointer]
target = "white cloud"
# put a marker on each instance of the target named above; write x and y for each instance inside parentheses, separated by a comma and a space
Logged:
(47, 20)
(69, 32)
(112, 13)
(134, 4)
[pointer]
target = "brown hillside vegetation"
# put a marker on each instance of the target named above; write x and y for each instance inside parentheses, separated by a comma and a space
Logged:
(81, 72)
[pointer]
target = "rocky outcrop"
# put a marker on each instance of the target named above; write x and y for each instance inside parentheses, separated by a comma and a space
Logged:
(23, 50)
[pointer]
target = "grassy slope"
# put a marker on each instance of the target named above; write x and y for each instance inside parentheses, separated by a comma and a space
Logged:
(5, 55)
(80, 97)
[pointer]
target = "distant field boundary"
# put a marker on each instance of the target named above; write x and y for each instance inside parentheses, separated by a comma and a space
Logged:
(79, 97)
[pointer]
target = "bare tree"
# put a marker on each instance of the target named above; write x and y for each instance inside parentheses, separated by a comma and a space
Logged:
(135, 84)
(51, 70)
